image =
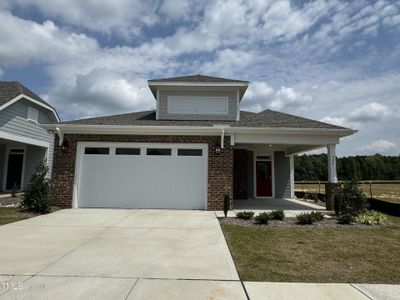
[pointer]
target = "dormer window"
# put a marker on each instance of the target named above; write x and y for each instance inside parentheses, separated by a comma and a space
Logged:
(33, 114)
(197, 105)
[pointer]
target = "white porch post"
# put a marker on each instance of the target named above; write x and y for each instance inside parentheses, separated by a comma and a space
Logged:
(291, 160)
(332, 176)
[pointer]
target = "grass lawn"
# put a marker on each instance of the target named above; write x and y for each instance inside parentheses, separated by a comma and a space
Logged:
(353, 255)
(12, 214)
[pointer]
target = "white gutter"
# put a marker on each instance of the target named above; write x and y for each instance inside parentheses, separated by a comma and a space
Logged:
(60, 136)
(222, 138)
(196, 130)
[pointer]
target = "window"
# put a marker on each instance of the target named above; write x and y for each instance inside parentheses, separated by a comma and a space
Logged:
(197, 105)
(97, 150)
(33, 114)
(127, 151)
(190, 152)
(155, 151)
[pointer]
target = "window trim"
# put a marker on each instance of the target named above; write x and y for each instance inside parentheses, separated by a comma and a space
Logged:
(32, 111)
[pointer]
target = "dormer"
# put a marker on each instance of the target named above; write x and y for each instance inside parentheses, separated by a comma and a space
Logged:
(198, 97)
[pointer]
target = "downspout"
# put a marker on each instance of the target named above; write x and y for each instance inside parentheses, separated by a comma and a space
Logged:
(222, 138)
(60, 136)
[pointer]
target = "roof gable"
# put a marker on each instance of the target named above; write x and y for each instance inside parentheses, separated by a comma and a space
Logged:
(198, 78)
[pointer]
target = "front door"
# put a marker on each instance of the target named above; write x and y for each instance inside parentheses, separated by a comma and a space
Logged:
(14, 169)
(264, 178)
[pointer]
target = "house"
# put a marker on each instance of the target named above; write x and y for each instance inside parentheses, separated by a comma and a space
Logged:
(23, 142)
(194, 148)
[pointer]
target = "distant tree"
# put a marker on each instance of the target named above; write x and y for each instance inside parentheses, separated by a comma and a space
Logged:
(372, 167)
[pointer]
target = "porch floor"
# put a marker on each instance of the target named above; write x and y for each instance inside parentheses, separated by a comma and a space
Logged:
(291, 207)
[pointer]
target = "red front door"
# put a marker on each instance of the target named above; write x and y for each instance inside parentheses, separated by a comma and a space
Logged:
(264, 178)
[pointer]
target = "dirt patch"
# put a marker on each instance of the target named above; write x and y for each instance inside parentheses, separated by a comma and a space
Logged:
(292, 222)
(10, 201)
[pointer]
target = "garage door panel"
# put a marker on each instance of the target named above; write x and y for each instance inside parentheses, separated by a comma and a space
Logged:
(143, 181)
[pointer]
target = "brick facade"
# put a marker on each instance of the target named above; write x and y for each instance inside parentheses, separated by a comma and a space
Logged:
(220, 166)
(240, 174)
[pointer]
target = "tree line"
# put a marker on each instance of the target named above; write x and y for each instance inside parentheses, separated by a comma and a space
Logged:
(372, 167)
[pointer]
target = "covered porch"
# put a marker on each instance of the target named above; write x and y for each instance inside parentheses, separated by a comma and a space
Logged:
(18, 162)
(263, 169)
(291, 207)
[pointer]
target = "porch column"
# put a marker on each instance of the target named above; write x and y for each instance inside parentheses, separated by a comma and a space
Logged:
(331, 185)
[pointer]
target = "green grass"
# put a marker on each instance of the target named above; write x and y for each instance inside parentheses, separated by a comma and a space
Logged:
(316, 255)
(387, 192)
(12, 214)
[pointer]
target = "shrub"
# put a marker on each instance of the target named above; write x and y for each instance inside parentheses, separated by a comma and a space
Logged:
(345, 219)
(350, 200)
(317, 216)
(371, 218)
(227, 202)
(14, 190)
(245, 215)
(262, 218)
(37, 196)
(277, 214)
(315, 197)
(309, 218)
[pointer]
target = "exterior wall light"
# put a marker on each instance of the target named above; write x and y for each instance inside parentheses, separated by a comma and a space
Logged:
(217, 148)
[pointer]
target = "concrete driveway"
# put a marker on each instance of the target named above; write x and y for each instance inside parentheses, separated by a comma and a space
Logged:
(117, 254)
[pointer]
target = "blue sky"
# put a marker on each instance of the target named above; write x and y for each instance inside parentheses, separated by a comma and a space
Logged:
(335, 61)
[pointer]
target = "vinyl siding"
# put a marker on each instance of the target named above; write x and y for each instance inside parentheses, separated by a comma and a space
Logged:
(34, 155)
(163, 105)
(13, 120)
(282, 175)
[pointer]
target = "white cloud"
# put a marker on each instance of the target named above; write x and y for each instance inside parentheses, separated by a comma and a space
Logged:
(123, 16)
(288, 99)
(100, 93)
(27, 41)
(380, 146)
(257, 96)
(370, 112)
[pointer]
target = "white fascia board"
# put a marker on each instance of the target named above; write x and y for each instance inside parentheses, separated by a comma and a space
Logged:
(338, 132)
(286, 138)
(116, 129)
(20, 96)
(174, 83)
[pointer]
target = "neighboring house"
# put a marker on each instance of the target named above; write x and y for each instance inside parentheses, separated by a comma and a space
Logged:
(23, 143)
(194, 148)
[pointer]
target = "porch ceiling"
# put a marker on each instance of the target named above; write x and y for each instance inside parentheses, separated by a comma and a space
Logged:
(288, 148)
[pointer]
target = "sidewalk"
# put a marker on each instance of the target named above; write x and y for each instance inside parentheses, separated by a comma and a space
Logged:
(321, 291)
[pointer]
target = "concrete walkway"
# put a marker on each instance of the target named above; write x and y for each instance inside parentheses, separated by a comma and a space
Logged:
(117, 254)
(321, 291)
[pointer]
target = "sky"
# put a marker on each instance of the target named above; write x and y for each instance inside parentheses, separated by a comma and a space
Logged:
(333, 61)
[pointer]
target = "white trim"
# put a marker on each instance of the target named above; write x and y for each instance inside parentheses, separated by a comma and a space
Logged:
(272, 160)
(10, 147)
(157, 104)
(237, 106)
(196, 100)
(178, 83)
(81, 146)
(20, 96)
(291, 162)
(23, 139)
(332, 172)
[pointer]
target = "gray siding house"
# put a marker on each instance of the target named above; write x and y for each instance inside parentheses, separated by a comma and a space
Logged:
(23, 142)
(196, 147)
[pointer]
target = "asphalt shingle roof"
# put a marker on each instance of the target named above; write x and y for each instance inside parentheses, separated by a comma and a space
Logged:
(197, 78)
(12, 89)
(267, 118)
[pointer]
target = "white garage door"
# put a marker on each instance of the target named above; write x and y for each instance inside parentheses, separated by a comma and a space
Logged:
(129, 175)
